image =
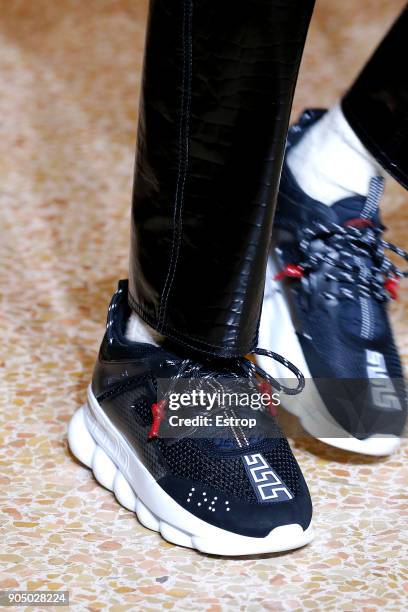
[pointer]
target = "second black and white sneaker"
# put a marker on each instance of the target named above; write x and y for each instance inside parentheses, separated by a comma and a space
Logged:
(327, 290)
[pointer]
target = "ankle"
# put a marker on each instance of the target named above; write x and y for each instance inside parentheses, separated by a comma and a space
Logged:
(139, 331)
(330, 162)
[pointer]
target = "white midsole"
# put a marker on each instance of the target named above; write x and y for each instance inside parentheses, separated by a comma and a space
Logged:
(95, 441)
(277, 332)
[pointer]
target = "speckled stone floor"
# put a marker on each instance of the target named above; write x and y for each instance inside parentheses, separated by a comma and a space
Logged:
(70, 75)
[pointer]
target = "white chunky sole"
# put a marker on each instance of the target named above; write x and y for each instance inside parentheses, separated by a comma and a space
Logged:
(95, 441)
(278, 333)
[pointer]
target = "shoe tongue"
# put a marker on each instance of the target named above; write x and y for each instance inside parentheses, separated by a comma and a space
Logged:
(360, 207)
(362, 319)
(349, 209)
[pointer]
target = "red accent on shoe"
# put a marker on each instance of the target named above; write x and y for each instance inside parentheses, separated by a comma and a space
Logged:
(158, 412)
(391, 285)
(290, 270)
(265, 387)
(359, 223)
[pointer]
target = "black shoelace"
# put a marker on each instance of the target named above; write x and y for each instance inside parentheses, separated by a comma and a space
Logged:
(189, 368)
(355, 251)
(233, 367)
(346, 249)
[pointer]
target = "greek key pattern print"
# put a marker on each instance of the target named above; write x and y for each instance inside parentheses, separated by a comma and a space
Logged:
(266, 483)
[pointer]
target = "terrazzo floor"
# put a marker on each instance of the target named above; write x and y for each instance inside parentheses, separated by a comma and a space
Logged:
(70, 75)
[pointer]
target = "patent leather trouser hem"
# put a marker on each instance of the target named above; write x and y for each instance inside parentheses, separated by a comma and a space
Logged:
(376, 106)
(217, 91)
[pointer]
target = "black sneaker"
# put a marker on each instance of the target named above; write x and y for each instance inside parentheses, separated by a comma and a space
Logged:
(237, 496)
(328, 285)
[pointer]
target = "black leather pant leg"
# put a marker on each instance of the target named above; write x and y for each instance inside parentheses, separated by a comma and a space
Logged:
(217, 90)
(377, 104)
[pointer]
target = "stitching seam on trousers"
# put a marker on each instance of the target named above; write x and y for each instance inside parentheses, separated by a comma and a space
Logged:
(195, 343)
(184, 134)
